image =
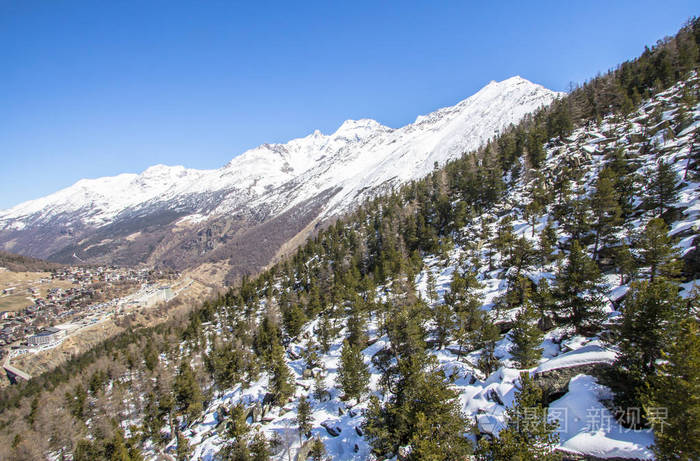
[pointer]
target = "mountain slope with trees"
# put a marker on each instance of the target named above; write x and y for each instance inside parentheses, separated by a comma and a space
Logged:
(534, 299)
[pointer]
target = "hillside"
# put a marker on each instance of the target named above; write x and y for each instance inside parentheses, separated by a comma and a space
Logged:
(493, 259)
(19, 263)
(536, 298)
(245, 211)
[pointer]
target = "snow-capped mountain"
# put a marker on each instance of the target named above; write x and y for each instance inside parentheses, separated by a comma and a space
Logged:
(181, 216)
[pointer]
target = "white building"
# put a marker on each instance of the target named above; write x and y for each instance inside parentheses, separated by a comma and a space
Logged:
(47, 336)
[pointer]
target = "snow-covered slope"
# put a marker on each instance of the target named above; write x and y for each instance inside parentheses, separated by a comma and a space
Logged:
(585, 424)
(361, 158)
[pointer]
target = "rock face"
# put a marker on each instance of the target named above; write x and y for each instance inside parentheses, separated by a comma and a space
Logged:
(247, 210)
(332, 428)
(554, 383)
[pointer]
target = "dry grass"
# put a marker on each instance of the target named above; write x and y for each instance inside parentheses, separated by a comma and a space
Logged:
(14, 303)
(22, 281)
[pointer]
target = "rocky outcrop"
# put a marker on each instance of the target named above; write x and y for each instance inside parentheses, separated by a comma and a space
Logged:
(555, 383)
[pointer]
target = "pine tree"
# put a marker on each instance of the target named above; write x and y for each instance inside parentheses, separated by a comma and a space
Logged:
(442, 317)
(431, 291)
(485, 331)
(303, 417)
(115, 449)
(579, 288)
(465, 304)
(294, 319)
(424, 412)
(488, 362)
(353, 373)
(318, 450)
(650, 310)
(533, 211)
(575, 217)
(657, 252)
(522, 255)
(325, 333)
(311, 354)
(663, 188)
(527, 435)
(625, 263)
(693, 156)
(672, 401)
(152, 418)
(238, 427)
(526, 337)
(357, 325)
(547, 244)
(259, 448)
(623, 175)
(545, 304)
(183, 447)
(606, 209)
(281, 384)
(188, 395)
(320, 390)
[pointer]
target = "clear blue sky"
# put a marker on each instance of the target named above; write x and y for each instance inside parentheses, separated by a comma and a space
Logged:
(90, 89)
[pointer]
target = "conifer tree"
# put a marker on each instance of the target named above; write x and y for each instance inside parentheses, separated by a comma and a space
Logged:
(259, 448)
(318, 450)
(115, 449)
(442, 317)
(183, 447)
(672, 401)
(484, 331)
(281, 382)
(320, 390)
(651, 308)
(152, 418)
(424, 412)
(693, 156)
(357, 324)
(311, 354)
(547, 244)
(325, 333)
(606, 209)
(238, 428)
(663, 188)
(576, 218)
(533, 211)
(657, 252)
(579, 288)
(522, 255)
(527, 435)
(545, 304)
(488, 362)
(623, 176)
(188, 395)
(625, 263)
(353, 373)
(526, 337)
(303, 417)
(430, 287)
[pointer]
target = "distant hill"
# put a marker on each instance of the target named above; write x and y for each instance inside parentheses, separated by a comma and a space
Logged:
(19, 263)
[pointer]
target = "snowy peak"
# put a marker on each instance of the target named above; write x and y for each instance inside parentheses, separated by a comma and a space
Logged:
(357, 130)
(512, 91)
(330, 173)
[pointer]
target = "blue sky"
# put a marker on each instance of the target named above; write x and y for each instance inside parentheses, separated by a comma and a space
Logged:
(91, 89)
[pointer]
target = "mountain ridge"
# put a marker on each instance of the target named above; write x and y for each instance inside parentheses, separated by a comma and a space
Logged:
(361, 158)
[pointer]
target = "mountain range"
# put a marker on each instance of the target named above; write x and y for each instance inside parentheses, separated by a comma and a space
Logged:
(250, 211)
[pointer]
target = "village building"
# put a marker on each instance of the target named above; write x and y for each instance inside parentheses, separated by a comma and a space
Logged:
(47, 336)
